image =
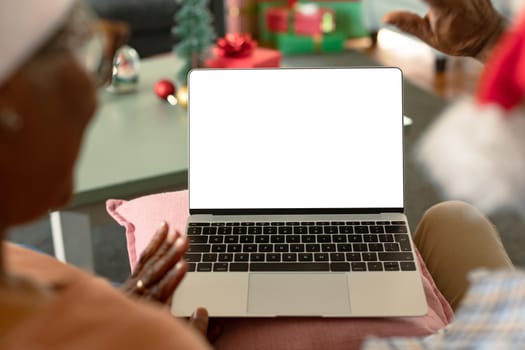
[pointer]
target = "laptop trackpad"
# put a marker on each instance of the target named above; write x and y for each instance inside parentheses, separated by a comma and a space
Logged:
(292, 294)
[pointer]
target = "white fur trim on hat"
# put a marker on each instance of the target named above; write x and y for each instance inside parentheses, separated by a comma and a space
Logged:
(517, 5)
(25, 25)
(477, 154)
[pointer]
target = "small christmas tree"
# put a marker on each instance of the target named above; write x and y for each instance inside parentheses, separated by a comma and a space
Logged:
(193, 26)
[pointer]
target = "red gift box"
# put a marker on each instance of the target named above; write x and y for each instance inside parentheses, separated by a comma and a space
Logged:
(309, 23)
(304, 22)
(277, 19)
(260, 58)
(240, 51)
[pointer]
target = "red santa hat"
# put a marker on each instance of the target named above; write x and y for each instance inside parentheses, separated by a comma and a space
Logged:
(475, 151)
(503, 81)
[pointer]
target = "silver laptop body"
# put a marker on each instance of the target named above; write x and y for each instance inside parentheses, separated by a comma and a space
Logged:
(296, 195)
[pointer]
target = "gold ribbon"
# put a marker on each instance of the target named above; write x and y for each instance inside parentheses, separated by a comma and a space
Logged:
(318, 43)
(291, 20)
(328, 22)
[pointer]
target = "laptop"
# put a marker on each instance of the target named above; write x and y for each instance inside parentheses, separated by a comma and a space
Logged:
(296, 195)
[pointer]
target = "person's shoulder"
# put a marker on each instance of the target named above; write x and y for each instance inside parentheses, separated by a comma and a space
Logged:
(90, 313)
(38, 266)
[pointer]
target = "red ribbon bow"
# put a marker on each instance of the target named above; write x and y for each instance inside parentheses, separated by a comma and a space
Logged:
(236, 45)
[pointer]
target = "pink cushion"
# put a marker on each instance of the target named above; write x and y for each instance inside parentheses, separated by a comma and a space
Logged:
(141, 218)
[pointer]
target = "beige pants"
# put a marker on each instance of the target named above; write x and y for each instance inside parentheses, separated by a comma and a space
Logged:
(455, 238)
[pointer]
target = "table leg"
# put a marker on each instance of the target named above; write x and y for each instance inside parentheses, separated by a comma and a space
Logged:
(72, 239)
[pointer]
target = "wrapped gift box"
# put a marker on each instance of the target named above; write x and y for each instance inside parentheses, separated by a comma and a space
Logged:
(259, 58)
(308, 22)
(241, 16)
(348, 18)
(291, 44)
(277, 19)
(316, 22)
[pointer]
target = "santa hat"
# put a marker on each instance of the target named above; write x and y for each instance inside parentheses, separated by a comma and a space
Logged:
(503, 81)
(25, 25)
(475, 151)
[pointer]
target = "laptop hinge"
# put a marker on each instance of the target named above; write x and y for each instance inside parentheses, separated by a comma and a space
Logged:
(288, 211)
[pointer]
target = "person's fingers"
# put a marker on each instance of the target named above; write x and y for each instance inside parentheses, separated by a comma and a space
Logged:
(394, 17)
(445, 3)
(163, 290)
(156, 269)
(199, 320)
(158, 238)
(164, 248)
(410, 23)
(171, 281)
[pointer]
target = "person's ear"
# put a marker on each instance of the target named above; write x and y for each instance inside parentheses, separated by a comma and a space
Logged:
(10, 120)
(10, 128)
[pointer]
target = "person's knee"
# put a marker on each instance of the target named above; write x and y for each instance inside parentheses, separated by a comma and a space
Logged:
(455, 213)
(444, 222)
(448, 208)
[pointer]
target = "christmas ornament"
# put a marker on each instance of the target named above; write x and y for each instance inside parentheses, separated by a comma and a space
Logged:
(182, 96)
(126, 68)
(236, 45)
(165, 89)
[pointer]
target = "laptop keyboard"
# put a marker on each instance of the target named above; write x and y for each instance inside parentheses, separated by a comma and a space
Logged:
(342, 246)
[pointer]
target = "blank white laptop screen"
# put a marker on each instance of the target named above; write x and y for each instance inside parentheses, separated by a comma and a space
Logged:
(296, 138)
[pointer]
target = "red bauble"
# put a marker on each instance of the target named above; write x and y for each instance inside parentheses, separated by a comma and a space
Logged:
(164, 88)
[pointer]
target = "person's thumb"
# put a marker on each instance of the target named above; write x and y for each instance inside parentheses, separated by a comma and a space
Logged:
(410, 23)
(199, 320)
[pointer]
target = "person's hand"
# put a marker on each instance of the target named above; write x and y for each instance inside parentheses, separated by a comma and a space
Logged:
(201, 322)
(160, 267)
(455, 27)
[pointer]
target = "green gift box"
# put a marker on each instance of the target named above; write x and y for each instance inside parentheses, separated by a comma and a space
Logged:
(348, 18)
(291, 44)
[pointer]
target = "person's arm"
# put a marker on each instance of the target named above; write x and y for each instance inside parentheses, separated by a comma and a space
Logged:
(455, 27)
(160, 268)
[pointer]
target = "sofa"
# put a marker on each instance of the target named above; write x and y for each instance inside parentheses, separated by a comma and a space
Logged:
(374, 10)
(151, 21)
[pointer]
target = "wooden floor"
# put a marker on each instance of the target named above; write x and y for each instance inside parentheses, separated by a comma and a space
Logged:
(417, 62)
